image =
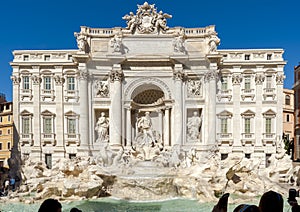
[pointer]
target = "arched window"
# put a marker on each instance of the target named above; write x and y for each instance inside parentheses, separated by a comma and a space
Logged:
(287, 100)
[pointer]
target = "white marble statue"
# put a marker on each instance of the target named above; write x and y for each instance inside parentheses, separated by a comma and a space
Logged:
(145, 125)
(102, 126)
(81, 42)
(116, 43)
(102, 89)
(194, 126)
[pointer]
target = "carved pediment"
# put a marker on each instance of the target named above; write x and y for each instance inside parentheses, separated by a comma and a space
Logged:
(147, 20)
(71, 113)
(25, 113)
(47, 113)
(248, 113)
(225, 113)
(269, 113)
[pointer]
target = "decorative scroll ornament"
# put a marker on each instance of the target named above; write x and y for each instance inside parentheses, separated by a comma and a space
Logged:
(236, 79)
(116, 75)
(59, 80)
(36, 79)
(147, 20)
(102, 89)
(280, 78)
(259, 78)
(83, 75)
(211, 75)
(16, 80)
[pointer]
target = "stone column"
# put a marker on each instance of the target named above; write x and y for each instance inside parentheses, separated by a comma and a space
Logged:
(160, 124)
(16, 108)
(115, 112)
(236, 96)
(36, 124)
(280, 99)
(84, 110)
(128, 127)
(211, 77)
(59, 118)
(259, 120)
(167, 127)
(176, 139)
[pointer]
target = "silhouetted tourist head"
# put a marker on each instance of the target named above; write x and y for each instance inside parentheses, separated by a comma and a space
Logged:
(50, 205)
(246, 208)
(221, 206)
(75, 210)
(271, 201)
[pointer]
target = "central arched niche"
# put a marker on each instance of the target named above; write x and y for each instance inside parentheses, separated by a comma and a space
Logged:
(147, 94)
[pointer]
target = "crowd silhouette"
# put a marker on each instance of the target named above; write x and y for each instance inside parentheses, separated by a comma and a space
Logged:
(270, 201)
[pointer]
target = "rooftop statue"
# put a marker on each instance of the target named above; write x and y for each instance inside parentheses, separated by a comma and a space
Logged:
(147, 20)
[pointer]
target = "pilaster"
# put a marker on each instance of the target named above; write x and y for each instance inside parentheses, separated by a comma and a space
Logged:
(115, 112)
(236, 98)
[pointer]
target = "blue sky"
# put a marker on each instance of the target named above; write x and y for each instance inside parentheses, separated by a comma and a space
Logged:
(50, 24)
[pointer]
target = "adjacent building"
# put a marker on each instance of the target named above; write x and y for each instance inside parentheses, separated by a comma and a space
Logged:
(69, 102)
(6, 129)
(296, 89)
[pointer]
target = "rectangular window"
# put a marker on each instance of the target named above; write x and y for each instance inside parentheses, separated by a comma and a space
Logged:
(269, 82)
(287, 118)
(8, 131)
(25, 57)
(71, 156)
(71, 83)
(223, 125)
(247, 125)
(224, 81)
(8, 118)
(0, 146)
(71, 126)
(8, 145)
(48, 125)
(269, 56)
(247, 56)
(0, 132)
(224, 156)
(248, 156)
(48, 160)
(247, 82)
(26, 83)
(25, 125)
(47, 83)
(47, 58)
(1, 119)
(268, 125)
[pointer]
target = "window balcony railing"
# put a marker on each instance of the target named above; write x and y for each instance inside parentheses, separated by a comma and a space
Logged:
(71, 94)
(224, 135)
(269, 90)
(72, 138)
(48, 138)
(269, 135)
(26, 138)
(247, 135)
(248, 91)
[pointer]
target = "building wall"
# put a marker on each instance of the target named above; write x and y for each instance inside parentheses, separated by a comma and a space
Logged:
(6, 131)
(296, 89)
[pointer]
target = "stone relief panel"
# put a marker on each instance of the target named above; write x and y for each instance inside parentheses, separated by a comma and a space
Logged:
(102, 89)
(194, 88)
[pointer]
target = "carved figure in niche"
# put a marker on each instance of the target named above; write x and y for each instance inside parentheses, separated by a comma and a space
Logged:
(81, 42)
(145, 125)
(102, 89)
(194, 88)
(213, 43)
(194, 126)
(102, 126)
(191, 157)
(116, 43)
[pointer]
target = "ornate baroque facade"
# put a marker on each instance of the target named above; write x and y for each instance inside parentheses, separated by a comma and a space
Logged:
(69, 102)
